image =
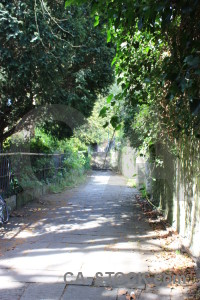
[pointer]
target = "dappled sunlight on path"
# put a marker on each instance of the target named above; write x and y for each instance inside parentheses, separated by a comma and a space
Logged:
(97, 227)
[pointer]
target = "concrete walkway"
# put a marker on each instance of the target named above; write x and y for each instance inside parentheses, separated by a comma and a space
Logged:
(96, 228)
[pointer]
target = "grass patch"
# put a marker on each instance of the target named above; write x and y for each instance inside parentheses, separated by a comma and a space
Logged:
(71, 179)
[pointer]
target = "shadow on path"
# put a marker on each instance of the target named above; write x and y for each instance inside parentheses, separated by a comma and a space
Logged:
(98, 227)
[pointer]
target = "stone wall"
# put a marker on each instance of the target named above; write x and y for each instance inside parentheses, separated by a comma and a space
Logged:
(11, 202)
(133, 166)
(177, 191)
(103, 160)
(21, 199)
(175, 188)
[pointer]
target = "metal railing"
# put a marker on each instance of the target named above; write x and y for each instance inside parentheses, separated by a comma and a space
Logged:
(38, 166)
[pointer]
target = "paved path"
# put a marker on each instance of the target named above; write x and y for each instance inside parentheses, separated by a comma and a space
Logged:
(97, 227)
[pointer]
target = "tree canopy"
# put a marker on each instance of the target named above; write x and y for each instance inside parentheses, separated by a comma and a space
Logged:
(49, 55)
(157, 63)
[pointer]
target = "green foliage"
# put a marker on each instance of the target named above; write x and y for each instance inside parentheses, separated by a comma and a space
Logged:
(131, 183)
(39, 143)
(93, 131)
(42, 143)
(49, 55)
(76, 155)
(143, 191)
(74, 161)
(157, 63)
(49, 169)
(110, 110)
(71, 179)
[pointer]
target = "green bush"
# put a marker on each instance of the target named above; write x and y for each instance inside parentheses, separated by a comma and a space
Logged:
(143, 191)
(47, 169)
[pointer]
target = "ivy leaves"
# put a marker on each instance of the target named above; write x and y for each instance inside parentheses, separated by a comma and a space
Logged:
(111, 109)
